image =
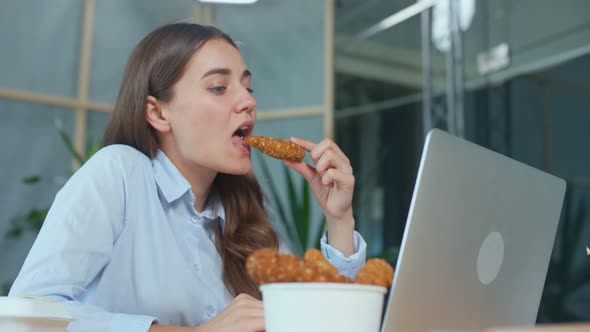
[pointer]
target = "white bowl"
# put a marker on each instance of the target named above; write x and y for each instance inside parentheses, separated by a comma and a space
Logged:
(322, 307)
(32, 314)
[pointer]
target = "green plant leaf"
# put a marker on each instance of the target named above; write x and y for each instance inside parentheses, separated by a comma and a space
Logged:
(65, 137)
(318, 234)
(305, 214)
(35, 218)
(16, 227)
(300, 224)
(91, 148)
(287, 222)
(14, 231)
(32, 179)
(296, 213)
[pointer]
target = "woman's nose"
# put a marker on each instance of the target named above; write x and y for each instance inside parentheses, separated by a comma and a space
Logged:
(247, 102)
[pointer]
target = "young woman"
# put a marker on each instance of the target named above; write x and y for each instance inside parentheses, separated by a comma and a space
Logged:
(152, 233)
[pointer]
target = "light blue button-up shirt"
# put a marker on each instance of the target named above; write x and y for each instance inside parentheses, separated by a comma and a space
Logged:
(124, 246)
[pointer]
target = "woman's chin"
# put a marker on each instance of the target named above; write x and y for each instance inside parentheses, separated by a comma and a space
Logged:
(241, 168)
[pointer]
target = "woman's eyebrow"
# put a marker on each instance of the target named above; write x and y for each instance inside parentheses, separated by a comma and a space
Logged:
(225, 71)
(220, 71)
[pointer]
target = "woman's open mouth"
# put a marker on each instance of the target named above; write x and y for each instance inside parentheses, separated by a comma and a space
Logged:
(238, 138)
(242, 132)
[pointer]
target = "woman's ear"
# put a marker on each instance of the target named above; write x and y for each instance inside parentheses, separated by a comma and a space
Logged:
(156, 114)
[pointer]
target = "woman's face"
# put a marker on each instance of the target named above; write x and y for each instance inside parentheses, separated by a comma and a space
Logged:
(212, 106)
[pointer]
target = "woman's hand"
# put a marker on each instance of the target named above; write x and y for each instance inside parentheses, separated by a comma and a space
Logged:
(332, 184)
(243, 314)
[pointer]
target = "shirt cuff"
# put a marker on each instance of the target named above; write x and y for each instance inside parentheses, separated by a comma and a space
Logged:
(91, 318)
(348, 266)
(126, 323)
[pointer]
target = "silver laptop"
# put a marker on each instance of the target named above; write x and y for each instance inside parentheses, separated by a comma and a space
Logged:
(477, 241)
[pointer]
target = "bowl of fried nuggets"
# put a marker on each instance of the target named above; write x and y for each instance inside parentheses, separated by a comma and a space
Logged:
(309, 294)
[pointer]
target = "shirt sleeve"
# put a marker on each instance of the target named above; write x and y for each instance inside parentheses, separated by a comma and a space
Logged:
(76, 242)
(90, 318)
(348, 266)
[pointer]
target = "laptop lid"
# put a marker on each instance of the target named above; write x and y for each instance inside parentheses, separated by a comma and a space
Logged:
(477, 242)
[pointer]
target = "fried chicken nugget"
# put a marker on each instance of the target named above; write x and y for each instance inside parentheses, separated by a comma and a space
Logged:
(276, 147)
(268, 265)
(318, 269)
(314, 257)
(259, 264)
(376, 271)
(287, 269)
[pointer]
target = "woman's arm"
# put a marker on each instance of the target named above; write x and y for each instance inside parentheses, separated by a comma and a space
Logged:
(332, 183)
(76, 242)
(346, 265)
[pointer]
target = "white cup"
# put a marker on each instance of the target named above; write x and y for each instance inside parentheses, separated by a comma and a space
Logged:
(322, 307)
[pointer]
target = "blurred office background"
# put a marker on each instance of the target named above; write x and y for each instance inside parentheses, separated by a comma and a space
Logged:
(375, 75)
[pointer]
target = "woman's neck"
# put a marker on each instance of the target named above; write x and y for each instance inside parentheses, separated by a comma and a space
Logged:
(200, 186)
(200, 178)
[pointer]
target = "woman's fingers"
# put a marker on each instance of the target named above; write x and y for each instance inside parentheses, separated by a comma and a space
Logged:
(331, 159)
(250, 313)
(327, 145)
(340, 179)
(253, 324)
(316, 150)
(302, 168)
(307, 145)
(243, 314)
(247, 301)
(332, 180)
(327, 157)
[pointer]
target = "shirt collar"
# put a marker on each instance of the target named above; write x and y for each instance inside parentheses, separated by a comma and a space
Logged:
(173, 185)
(213, 210)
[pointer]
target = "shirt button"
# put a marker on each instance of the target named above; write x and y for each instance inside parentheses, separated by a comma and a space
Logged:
(196, 267)
(195, 219)
(211, 312)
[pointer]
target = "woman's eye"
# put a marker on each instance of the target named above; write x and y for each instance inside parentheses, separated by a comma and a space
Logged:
(217, 89)
(250, 90)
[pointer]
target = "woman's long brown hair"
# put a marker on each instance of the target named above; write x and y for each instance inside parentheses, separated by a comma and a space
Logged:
(156, 64)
